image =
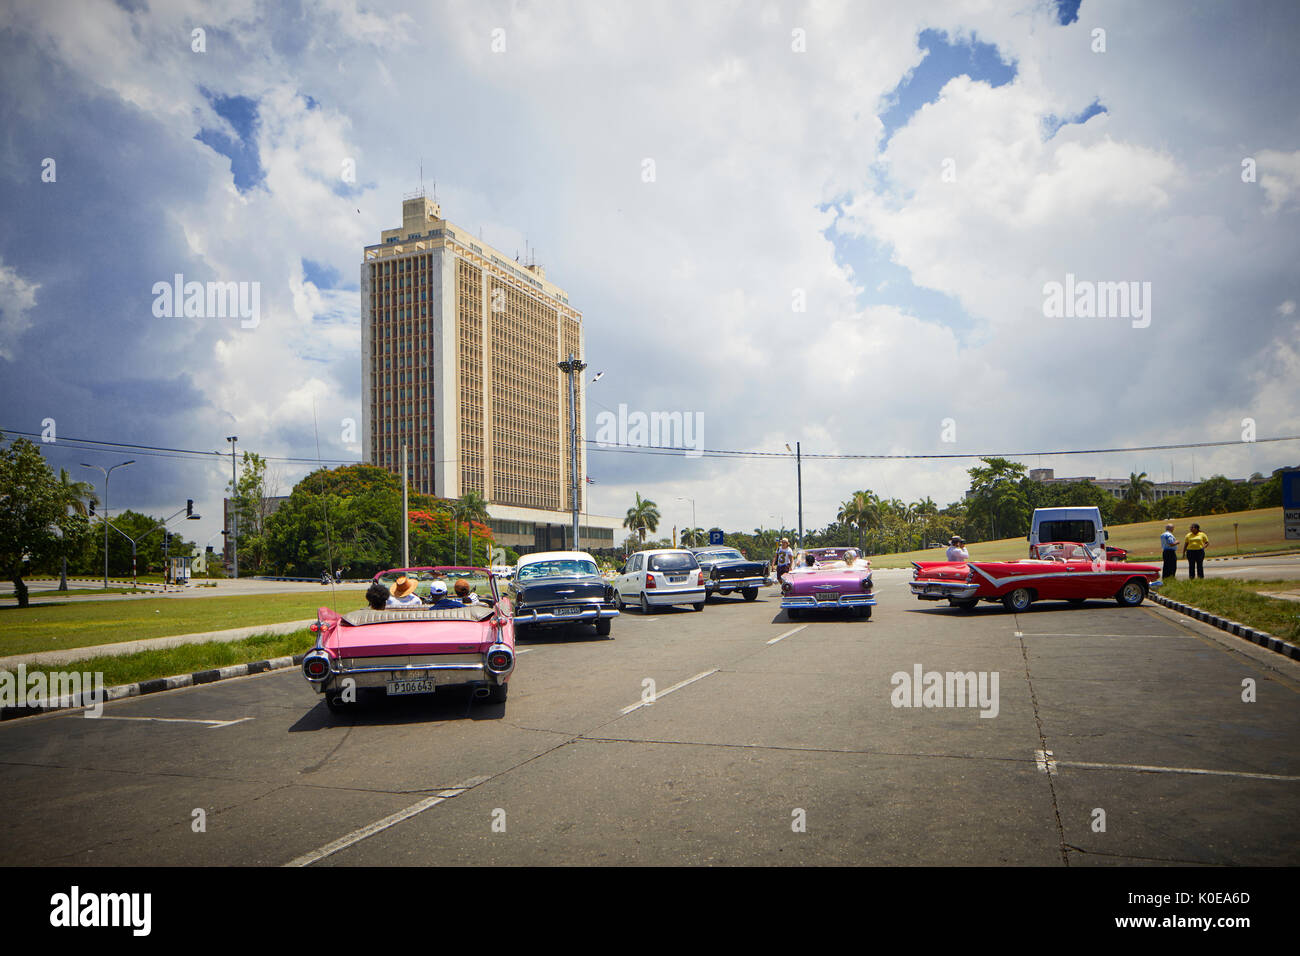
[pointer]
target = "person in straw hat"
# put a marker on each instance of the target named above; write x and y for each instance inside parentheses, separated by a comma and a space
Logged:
(404, 594)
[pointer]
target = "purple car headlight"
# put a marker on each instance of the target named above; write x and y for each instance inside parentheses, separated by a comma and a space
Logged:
(866, 583)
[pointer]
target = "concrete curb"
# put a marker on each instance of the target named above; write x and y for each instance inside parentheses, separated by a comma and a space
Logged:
(154, 686)
(1262, 638)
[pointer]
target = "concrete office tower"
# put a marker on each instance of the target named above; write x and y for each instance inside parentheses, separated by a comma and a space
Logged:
(459, 349)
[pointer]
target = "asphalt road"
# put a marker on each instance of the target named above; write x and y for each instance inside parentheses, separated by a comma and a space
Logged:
(759, 725)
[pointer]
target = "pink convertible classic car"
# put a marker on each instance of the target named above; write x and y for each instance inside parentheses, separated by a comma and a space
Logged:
(837, 579)
(1063, 571)
(417, 650)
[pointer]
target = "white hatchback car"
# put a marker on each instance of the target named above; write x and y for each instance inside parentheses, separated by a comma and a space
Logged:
(660, 578)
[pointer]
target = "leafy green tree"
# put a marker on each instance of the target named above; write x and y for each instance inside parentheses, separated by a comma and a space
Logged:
(37, 526)
(642, 517)
(251, 505)
(861, 511)
(1139, 488)
(80, 497)
(694, 537)
(997, 500)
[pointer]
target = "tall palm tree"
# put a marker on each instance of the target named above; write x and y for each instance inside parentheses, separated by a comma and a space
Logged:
(76, 495)
(694, 537)
(472, 507)
(862, 511)
(642, 517)
(1139, 488)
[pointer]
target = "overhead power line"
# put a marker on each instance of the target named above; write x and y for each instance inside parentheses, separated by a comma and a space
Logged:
(592, 445)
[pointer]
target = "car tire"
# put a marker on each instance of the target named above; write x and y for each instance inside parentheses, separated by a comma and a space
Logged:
(963, 604)
(618, 600)
(645, 604)
(603, 627)
(497, 693)
(1132, 594)
(698, 607)
(749, 593)
(865, 613)
(1018, 600)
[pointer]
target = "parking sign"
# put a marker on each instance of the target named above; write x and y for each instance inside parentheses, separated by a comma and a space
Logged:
(715, 537)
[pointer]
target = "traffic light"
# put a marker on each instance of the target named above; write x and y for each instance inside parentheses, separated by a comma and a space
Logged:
(92, 510)
(167, 540)
(189, 507)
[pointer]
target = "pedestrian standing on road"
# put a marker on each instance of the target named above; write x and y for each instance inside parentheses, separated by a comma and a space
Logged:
(784, 558)
(1194, 551)
(957, 549)
(1169, 549)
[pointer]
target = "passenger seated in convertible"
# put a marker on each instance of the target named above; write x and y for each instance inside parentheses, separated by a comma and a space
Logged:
(377, 596)
(464, 594)
(438, 596)
(404, 594)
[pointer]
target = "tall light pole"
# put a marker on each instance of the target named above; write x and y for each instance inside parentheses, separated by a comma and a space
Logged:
(106, 474)
(574, 366)
(234, 504)
(692, 501)
(798, 463)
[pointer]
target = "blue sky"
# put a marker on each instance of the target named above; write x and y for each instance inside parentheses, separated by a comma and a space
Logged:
(777, 170)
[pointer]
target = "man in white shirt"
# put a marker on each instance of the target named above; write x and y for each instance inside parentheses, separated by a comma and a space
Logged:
(956, 550)
(1169, 551)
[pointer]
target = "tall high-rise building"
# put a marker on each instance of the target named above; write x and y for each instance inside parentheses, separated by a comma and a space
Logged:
(460, 346)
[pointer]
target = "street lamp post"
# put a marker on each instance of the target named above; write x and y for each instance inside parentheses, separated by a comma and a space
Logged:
(574, 366)
(234, 508)
(692, 501)
(106, 512)
(798, 463)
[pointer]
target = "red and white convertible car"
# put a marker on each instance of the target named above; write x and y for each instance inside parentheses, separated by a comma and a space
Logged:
(1063, 571)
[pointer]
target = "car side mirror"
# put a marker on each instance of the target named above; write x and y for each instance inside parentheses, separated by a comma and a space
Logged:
(622, 570)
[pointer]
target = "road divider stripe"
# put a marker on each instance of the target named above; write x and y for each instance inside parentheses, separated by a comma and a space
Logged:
(356, 836)
(787, 634)
(212, 724)
(664, 693)
(1048, 764)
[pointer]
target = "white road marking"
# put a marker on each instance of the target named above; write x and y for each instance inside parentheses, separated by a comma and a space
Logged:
(787, 634)
(212, 724)
(356, 836)
(524, 651)
(664, 693)
(1050, 764)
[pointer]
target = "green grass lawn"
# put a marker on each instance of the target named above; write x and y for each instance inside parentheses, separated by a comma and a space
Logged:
(76, 592)
(86, 624)
(1259, 530)
(1238, 601)
(186, 659)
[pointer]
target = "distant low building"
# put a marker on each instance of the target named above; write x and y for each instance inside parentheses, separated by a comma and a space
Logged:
(1116, 487)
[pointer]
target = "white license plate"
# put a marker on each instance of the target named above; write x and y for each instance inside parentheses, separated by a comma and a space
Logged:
(399, 687)
(567, 610)
(832, 596)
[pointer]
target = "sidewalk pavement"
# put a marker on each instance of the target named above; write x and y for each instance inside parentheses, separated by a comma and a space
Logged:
(154, 643)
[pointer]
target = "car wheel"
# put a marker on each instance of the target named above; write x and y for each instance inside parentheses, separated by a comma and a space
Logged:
(618, 600)
(750, 593)
(497, 693)
(1017, 600)
(865, 613)
(963, 604)
(603, 626)
(645, 604)
(1131, 594)
(698, 607)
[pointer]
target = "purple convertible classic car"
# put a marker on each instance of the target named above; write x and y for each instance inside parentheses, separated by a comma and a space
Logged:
(828, 578)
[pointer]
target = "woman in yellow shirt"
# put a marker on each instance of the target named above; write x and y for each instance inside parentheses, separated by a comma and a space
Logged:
(1194, 551)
